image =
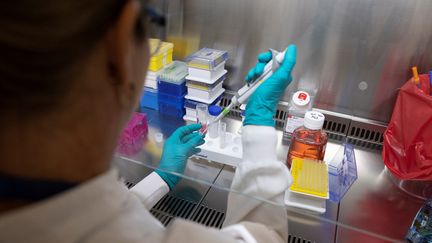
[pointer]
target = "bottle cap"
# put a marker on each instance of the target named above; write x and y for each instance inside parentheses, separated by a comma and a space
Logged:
(314, 120)
(301, 99)
(215, 110)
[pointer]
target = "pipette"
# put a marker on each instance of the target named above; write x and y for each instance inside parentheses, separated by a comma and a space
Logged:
(416, 78)
(246, 91)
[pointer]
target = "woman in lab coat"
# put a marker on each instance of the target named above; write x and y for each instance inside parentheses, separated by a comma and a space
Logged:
(71, 72)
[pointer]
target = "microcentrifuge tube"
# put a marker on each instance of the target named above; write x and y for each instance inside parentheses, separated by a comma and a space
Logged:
(222, 134)
(213, 129)
(159, 139)
(202, 116)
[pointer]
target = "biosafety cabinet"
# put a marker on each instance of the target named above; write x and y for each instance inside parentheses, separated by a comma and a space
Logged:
(352, 58)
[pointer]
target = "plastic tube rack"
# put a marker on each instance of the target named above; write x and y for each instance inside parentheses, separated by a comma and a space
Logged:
(231, 153)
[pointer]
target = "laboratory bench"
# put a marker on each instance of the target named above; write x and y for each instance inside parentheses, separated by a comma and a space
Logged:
(373, 210)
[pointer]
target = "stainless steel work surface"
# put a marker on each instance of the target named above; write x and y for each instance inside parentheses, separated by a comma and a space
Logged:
(374, 204)
(373, 210)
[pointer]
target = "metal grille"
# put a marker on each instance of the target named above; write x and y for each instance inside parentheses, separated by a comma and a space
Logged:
(170, 207)
(296, 239)
(367, 132)
(129, 184)
(208, 217)
(365, 144)
(335, 127)
(235, 112)
(164, 218)
(280, 117)
(360, 132)
(174, 207)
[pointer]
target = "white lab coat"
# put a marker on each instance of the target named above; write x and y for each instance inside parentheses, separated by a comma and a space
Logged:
(104, 210)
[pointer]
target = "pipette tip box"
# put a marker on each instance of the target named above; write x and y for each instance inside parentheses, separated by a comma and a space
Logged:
(149, 99)
(192, 103)
(213, 80)
(209, 100)
(170, 110)
(203, 74)
(310, 188)
(177, 101)
(305, 203)
(151, 80)
(171, 80)
(310, 178)
(204, 94)
(204, 86)
(162, 57)
(171, 105)
(207, 58)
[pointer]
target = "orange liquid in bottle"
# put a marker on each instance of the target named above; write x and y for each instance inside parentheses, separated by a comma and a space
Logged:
(307, 143)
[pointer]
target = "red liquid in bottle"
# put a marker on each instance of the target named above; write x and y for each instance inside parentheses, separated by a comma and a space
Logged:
(307, 143)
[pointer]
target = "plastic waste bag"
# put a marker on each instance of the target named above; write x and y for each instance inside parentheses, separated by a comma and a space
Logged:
(407, 151)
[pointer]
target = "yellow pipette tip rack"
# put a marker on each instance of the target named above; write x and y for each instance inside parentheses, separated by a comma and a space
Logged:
(310, 178)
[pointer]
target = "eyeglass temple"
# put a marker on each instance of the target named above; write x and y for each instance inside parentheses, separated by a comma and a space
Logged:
(155, 17)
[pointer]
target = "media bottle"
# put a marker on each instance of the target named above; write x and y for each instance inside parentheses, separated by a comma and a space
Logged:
(309, 141)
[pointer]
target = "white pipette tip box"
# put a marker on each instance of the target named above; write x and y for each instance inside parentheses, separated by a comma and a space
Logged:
(151, 80)
(230, 154)
(305, 203)
(204, 94)
(207, 58)
(150, 83)
(202, 74)
(205, 80)
(206, 101)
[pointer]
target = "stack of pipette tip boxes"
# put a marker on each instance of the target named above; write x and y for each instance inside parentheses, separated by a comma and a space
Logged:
(204, 82)
(172, 89)
(163, 57)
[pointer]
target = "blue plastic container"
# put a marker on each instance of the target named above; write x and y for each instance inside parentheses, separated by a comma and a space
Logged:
(173, 100)
(171, 88)
(149, 99)
(171, 110)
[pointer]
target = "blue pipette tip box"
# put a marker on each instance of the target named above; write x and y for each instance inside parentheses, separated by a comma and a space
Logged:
(171, 88)
(171, 110)
(149, 99)
(172, 100)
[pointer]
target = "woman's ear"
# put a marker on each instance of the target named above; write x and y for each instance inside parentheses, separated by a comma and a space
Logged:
(120, 44)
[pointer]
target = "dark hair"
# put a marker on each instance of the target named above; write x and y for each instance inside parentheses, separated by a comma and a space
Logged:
(40, 41)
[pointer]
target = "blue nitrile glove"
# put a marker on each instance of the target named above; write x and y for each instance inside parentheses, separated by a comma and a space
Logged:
(177, 149)
(263, 102)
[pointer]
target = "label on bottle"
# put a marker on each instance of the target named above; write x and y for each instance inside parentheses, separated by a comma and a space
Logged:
(292, 123)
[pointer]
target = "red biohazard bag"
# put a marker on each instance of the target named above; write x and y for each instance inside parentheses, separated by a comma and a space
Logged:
(407, 151)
